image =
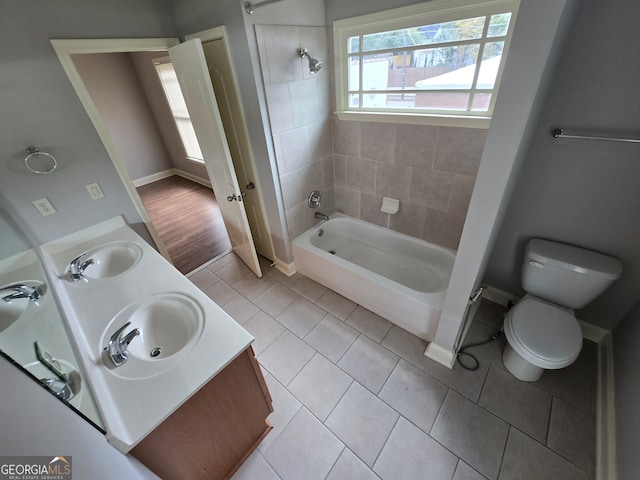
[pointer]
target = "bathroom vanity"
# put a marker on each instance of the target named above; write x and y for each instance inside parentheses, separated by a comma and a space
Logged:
(173, 375)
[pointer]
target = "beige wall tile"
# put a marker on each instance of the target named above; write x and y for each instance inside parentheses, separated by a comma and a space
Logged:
(279, 105)
(312, 178)
(290, 184)
(459, 150)
(294, 145)
(346, 137)
(431, 188)
(347, 201)
(461, 195)
(377, 141)
(281, 49)
(320, 139)
(340, 170)
(308, 104)
(393, 181)
(442, 229)
(409, 219)
(361, 174)
(415, 145)
(370, 210)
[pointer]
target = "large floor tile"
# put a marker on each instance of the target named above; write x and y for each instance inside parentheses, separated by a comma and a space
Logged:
(572, 434)
(241, 309)
(221, 292)
(203, 278)
(307, 288)
(520, 403)
(251, 286)
(275, 299)
(467, 382)
(414, 394)
(573, 384)
(334, 303)
(320, 385)
(465, 472)
(373, 326)
(492, 351)
(411, 454)
(255, 467)
(332, 337)
(363, 422)
(406, 345)
(473, 434)
(285, 357)
(306, 449)
(526, 459)
(368, 363)
(234, 271)
(301, 316)
(350, 467)
(264, 329)
(285, 406)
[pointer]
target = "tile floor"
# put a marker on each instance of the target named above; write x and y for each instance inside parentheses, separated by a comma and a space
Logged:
(355, 398)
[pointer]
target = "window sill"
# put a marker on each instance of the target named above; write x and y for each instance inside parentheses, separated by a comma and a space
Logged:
(416, 119)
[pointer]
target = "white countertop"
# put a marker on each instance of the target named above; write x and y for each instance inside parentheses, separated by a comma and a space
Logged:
(132, 408)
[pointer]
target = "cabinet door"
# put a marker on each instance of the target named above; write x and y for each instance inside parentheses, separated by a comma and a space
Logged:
(215, 430)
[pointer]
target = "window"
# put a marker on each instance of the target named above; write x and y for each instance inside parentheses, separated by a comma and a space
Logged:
(169, 81)
(438, 62)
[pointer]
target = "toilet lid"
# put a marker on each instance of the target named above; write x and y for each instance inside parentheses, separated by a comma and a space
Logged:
(547, 331)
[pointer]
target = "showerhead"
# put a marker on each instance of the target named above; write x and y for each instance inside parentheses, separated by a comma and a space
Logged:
(314, 64)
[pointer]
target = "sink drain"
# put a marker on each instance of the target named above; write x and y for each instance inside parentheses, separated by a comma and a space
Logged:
(155, 352)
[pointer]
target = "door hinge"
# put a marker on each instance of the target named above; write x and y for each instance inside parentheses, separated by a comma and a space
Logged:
(475, 296)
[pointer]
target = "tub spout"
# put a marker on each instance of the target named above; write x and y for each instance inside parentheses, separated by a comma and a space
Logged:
(321, 216)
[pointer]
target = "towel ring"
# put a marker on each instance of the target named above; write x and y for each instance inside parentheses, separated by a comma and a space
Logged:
(35, 152)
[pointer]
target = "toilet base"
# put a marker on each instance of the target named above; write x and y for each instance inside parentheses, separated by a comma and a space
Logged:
(519, 367)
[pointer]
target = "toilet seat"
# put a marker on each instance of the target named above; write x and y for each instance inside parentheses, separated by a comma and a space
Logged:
(545, 334)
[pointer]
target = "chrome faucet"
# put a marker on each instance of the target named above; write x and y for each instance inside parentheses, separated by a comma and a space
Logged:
(321, 216)
(117, 347)
(20, 290)
(76, 269)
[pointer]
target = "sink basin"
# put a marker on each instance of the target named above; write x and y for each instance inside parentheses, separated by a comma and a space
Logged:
(111, 259)
(170, 325)
(13, 310)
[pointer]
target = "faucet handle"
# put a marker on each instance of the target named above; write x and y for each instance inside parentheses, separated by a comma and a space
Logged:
(115, 338)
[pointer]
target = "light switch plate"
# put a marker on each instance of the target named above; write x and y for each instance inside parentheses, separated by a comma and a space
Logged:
(95, 191)
(44, 206)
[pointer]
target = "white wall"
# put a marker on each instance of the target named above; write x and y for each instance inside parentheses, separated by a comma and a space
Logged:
(584, 192)
(40, 107)
(626, 337)
(113, 84)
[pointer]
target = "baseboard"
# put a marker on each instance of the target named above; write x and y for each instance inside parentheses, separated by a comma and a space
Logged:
(498, 296)
(154, 178)
(288, 269)
(194, 178)
(605, 413)
(443, 356)
(593, 332)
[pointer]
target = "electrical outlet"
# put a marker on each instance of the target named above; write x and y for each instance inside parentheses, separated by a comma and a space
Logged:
(44, 206)
(95, 191)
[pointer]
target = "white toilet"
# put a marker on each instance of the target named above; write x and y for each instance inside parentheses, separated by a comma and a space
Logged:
(541, 329)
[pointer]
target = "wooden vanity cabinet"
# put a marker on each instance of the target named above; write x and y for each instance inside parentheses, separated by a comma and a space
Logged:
(213, 432)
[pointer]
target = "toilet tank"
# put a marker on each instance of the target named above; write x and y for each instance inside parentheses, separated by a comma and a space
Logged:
(567, 275)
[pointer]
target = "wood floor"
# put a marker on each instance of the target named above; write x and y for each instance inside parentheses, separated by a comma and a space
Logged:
(188, 220)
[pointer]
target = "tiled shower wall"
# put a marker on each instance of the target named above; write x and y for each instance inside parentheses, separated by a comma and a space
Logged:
(299, 114)
(431, 170)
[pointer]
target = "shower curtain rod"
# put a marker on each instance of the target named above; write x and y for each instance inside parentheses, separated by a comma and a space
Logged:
(559, 133)
(249, 7)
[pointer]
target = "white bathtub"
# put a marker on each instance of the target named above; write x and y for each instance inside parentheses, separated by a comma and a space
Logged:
(401, 278)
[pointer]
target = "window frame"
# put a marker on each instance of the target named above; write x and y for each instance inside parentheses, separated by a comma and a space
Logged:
(159, 62)
(436, 11)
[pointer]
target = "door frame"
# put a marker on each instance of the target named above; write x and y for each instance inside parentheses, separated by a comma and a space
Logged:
(65, 49)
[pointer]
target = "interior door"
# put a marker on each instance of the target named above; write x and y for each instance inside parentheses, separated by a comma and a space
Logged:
(191, 68)
(222, 79)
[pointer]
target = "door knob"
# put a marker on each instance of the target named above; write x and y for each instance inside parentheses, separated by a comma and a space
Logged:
(231, 198)
(250, 186)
